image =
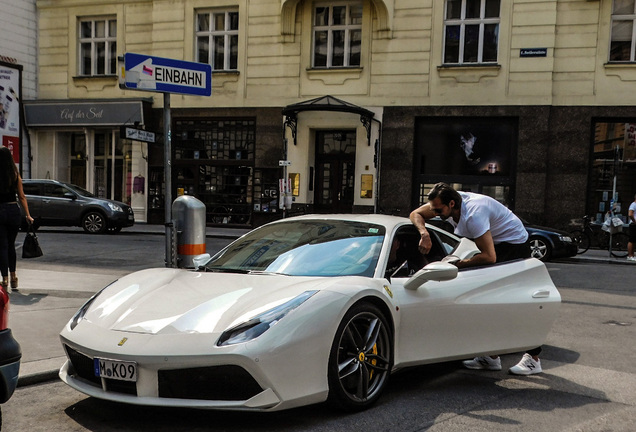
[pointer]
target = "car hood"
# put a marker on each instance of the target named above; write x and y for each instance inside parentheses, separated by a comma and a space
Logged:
(168, 301)
(546, 230)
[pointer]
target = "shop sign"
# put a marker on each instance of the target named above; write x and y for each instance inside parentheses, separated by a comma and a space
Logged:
(136, 134)
(84, 113)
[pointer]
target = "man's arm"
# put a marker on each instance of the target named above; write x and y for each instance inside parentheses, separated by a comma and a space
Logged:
(486, 256)
(631, 216)
(419, 216)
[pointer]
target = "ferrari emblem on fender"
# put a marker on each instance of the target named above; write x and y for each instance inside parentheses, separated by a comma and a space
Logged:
(388, 291)
(122, 342)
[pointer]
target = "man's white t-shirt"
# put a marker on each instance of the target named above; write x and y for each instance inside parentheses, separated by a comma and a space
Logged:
(481, 213)
(632, 207)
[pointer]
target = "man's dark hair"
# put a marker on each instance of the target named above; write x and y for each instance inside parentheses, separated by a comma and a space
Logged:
(446, 194)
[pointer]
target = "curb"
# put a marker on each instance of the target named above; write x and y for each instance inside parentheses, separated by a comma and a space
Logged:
(37, 378)
(39, 371)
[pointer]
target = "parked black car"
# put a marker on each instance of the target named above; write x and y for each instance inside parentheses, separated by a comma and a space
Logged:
(55, 203)
(549, 243)
(10, 353)
(545, 243)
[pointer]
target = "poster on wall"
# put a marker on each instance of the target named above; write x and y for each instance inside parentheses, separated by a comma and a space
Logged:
(10, 109)
(466, 146)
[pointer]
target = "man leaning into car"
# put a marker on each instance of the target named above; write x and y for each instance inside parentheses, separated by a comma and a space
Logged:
(496, 231)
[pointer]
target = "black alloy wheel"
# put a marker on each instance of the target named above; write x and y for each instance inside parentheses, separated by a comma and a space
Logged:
(361, 358)
(94, 223)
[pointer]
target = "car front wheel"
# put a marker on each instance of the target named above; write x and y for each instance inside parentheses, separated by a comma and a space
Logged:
(94, 223)
(361, 358)
(540, 249)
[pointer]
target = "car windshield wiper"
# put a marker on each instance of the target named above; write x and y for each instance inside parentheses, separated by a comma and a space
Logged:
(226, 270)
(263, 272)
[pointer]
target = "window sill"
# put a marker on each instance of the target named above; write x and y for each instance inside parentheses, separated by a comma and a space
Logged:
(95, 82)
(625, 71)
(469, 73)
(222, 77)
(334, 76)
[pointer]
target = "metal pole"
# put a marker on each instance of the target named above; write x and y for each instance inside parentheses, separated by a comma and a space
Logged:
(613, 201)
(170, 256)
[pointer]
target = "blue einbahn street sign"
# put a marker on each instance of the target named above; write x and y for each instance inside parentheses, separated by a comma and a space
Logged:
(157, 74)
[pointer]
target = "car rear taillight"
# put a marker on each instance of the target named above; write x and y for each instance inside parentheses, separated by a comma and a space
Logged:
(4, 309)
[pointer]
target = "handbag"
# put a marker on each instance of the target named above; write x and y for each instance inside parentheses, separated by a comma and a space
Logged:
(31, 246)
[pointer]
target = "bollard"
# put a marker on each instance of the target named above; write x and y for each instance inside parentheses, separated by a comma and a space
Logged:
(189, 217)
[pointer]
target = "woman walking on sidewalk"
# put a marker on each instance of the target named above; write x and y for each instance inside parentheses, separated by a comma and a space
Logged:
(10, 192)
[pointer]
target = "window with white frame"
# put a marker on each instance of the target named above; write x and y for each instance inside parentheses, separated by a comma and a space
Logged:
(98, 46)
(217, 39)
(623, 31)
(471, 31)
(337, 34)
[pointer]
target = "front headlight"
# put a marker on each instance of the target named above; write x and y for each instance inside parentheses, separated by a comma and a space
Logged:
(565, 239)
(115, 207)
(82, 311)
(259, 324)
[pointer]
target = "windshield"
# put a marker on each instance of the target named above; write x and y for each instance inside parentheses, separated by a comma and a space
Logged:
(78, 190)
(305, 248)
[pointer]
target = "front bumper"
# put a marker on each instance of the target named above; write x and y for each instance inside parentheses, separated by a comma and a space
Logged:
(121, 219)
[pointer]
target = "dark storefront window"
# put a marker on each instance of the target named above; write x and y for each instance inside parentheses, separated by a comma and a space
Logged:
(613, 168)
(214, 161)
(473, 154)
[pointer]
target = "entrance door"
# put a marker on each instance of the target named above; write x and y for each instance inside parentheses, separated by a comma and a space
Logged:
(335, 170)
(113, 178)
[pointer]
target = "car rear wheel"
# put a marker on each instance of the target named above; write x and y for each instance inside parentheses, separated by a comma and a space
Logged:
(361, 358)
(540, 249)
(94, 223)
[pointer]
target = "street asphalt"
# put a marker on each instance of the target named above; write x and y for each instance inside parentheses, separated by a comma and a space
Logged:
(59, 296)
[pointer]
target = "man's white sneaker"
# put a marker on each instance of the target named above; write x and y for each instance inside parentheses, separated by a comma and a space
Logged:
(631, 258)
(486, 363)
(527, 366)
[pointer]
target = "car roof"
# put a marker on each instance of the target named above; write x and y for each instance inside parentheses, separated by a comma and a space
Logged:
(389, 221)
(43, 181)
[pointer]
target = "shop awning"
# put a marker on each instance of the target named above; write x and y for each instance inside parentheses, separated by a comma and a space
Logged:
(82, 113)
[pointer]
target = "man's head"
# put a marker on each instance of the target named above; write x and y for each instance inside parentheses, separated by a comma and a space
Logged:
(444, 200)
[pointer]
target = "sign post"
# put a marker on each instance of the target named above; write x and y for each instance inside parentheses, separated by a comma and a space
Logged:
(162, 75)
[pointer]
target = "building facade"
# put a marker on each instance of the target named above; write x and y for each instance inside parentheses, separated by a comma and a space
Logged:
(357, 105)
(18, 75)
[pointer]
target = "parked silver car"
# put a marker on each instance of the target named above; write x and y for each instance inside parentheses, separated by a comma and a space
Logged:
(55, 203)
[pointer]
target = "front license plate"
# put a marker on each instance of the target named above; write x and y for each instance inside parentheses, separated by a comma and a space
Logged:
(116, 369)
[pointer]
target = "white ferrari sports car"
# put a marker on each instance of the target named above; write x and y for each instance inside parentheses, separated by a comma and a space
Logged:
(301, 311)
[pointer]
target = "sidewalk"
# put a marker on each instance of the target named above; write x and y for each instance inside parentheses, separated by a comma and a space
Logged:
(46, 301)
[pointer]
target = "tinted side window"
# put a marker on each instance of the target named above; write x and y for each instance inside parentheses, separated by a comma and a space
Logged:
(55, 191)
(31, 188)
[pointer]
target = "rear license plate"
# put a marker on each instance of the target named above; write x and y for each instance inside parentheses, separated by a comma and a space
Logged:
(116, 369)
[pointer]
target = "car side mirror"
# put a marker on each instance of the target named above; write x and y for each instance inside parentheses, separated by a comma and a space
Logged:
(437, 271)
(200, 260)
(69, 195)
